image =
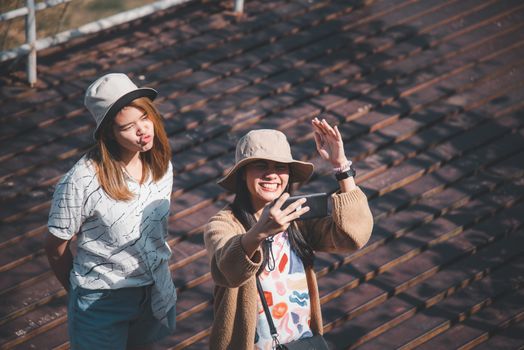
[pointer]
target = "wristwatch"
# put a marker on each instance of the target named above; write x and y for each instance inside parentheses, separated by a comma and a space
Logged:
(345, 174)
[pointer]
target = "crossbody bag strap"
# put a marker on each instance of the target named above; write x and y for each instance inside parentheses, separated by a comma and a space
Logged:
(272, 328)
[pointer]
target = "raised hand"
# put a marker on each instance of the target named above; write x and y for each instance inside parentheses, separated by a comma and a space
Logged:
(329, 142)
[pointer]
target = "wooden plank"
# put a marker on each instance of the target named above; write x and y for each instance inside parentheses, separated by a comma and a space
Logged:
(53, 338)
(413, 168)
(110, 44)
(412, 321)
(184, 48)
(500, 247)
(163, 72)
(405, 238)
(184, 162)
(448, 196)
(474, 330)
(440, 185)
(418, 213)
(505, 146)
(502, 302)
(350, 54)
(510, 337)
(370, 329)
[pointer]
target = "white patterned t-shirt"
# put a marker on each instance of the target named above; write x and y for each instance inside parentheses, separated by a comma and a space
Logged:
(287, 295)
(120, 243)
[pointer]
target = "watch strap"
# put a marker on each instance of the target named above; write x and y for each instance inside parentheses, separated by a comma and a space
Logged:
(345, 174)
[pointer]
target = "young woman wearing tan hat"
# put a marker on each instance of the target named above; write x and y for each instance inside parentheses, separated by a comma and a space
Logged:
(258, 237)
(116, 201)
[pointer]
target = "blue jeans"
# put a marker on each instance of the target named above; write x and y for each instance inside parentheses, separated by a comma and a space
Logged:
(114, 319)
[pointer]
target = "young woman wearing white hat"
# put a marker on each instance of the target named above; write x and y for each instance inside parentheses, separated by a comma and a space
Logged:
(116, 201)
(257, 236)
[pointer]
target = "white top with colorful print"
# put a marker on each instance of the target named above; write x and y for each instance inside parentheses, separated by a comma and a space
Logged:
(287, 296)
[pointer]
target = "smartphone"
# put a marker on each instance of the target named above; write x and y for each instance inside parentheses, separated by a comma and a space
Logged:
(317, 203)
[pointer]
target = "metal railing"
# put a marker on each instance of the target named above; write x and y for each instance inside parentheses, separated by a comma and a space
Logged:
(33, 44)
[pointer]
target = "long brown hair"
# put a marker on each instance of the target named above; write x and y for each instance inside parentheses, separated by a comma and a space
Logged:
(106, 154)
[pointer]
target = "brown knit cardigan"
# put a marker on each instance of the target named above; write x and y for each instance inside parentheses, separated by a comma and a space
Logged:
(235, 306)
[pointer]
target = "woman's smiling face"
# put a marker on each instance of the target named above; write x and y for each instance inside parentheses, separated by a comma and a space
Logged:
(266, 180)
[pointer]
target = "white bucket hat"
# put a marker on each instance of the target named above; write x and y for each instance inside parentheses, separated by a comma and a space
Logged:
(110, 93)
(265, 144)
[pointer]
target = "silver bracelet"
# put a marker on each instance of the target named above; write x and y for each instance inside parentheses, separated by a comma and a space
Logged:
(344, 167)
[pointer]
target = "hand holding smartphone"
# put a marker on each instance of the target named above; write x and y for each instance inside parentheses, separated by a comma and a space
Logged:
(317, 203)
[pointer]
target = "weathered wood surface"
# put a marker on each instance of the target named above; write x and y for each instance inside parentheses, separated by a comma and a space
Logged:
(428, 96)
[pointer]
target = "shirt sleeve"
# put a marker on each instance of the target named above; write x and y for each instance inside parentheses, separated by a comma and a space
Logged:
(65, 216)
(230, 266)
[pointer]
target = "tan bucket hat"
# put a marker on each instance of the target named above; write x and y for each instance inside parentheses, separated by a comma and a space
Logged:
(266, 144)
(110, 93)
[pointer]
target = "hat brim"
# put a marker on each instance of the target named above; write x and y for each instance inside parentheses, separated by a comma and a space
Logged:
(300, 171)
(123, 101)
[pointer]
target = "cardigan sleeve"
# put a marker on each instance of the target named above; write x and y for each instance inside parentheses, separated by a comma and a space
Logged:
(229, 264)
(348, 228)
